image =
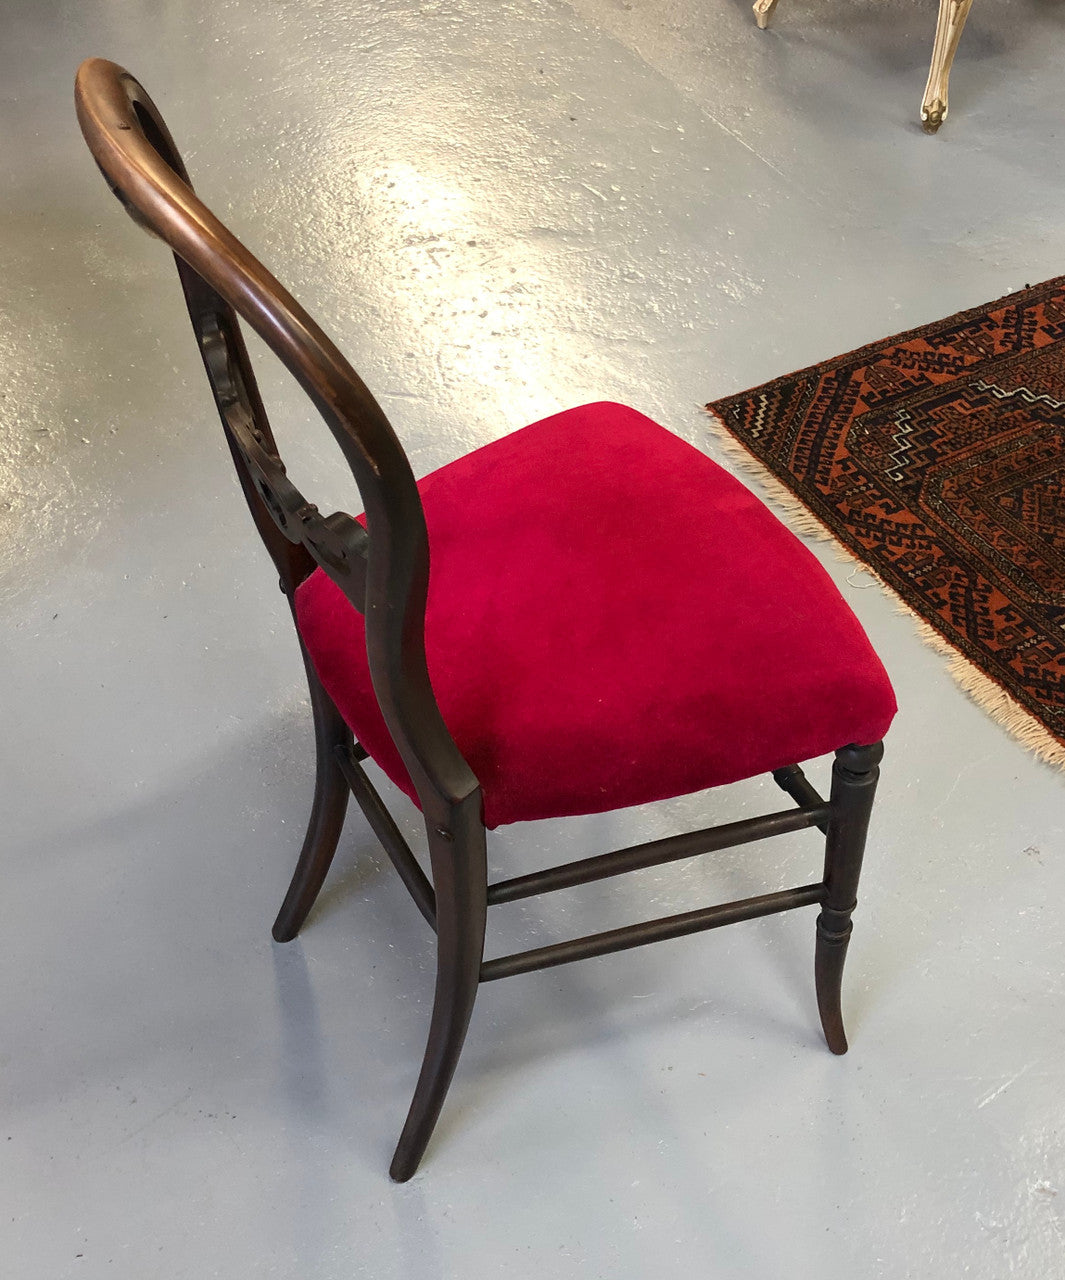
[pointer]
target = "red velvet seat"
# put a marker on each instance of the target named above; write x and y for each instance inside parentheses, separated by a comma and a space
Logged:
(612, 619)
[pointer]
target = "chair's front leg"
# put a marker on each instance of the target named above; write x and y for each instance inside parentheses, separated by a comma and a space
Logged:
(460, 877)
(854, 778)
(952, 15)
(763, 11)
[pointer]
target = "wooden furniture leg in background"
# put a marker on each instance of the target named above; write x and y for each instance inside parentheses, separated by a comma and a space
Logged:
(763, 11)
(952, 15)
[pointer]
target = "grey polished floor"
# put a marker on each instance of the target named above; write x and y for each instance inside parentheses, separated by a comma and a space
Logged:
(499, 209)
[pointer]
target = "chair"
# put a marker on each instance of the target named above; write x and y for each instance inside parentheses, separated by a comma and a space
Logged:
(607, 618)
(949, 26)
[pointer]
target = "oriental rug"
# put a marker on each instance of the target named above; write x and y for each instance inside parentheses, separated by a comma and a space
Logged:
(937, 459)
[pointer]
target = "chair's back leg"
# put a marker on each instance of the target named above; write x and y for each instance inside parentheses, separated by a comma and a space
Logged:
(460, 876)
(331, 792)
(854, 778)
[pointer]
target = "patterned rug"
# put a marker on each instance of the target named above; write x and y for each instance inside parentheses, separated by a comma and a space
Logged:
(937, 459)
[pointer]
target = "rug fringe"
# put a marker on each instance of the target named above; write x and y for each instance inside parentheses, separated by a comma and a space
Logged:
(987, 693)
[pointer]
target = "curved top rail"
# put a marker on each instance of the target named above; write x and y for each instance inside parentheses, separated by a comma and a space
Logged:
(147, 174)
(385, 571)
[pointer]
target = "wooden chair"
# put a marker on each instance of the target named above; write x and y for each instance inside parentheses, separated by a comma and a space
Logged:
(607, 619)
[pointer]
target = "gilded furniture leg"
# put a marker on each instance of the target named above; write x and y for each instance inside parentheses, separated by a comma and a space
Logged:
(952, 15)
(763, 10)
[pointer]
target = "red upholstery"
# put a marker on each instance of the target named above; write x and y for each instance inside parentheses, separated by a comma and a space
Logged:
(612, 619)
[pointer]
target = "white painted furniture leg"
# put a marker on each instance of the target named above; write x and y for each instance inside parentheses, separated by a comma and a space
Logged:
(952, 15)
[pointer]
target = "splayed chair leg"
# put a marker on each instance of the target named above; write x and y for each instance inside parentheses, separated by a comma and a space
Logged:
(854, 778)
(460, 878)
(331, 794)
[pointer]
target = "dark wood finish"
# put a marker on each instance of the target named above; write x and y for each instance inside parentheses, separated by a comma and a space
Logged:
(638, 935)
(792, 780)
(460, 874)
(384, 828)
(657, 852)
(383, 570)
(854, 778)
(330, 805)
(222, 281)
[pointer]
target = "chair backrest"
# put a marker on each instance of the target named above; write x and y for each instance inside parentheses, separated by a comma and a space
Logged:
(383, 569)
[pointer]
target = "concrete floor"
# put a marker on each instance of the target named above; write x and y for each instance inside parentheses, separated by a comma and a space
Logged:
(500, 208)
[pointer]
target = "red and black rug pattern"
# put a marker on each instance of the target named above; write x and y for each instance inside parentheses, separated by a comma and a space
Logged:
(937, 458)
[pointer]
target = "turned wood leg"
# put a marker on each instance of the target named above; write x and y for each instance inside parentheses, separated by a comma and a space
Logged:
(854, 778)
(331, 793)
(460, 876)
(763, 11)
(952, 15)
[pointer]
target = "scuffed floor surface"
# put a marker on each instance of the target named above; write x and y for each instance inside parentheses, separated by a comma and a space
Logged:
(499, 209)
